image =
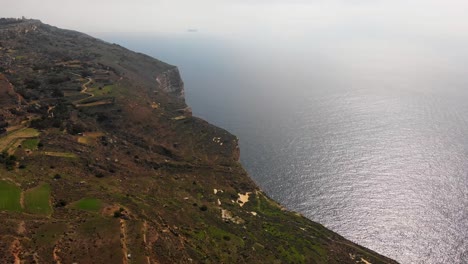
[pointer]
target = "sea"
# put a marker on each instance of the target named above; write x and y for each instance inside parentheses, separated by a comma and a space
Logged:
(364, 130)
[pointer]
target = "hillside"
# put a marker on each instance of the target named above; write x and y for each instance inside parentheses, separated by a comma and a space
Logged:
(102, 162)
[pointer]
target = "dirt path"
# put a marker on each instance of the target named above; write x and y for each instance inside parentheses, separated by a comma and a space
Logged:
(16, 250)
(49, 110)
(144, 230)
(123, 240)
(56, 257)
(22, 199)
(21, 228)
(36, 258)
(84, 90)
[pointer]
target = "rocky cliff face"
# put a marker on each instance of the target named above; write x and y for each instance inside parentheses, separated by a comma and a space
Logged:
(171, 82)
(101, 163)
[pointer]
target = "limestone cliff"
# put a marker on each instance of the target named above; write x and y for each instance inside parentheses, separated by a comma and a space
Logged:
(171, 82)
(103, 163)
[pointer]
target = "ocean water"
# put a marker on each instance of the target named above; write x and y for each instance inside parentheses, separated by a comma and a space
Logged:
(366, 133)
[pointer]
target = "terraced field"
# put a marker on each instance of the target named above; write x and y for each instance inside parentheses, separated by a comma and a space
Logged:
(60, 154)
(96, 102)
(31, 143)
(10, 195)
(34, 201)
(88, 204)
(106, 90)
(89, 137)
(14, 138)
(37, 200)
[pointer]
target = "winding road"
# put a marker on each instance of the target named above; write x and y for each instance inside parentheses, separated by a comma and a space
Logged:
(84, 91)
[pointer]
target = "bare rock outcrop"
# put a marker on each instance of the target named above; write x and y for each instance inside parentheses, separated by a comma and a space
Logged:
(171, 82)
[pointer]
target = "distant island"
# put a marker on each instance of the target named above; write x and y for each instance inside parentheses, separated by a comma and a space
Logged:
(102, 162)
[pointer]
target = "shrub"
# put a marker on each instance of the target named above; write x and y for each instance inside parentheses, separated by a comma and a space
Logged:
(32, 84)
(117, 214)
(61, 203)
(86, 73)
(57, 93)
(58, 80)
(10, 162)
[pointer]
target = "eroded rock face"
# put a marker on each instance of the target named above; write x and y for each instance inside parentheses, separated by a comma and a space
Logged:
(171, 82)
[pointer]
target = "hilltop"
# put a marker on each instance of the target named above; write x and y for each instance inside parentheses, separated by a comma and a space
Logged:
(103, 162)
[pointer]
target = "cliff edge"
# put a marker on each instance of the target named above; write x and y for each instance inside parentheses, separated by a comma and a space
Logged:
(103, 162)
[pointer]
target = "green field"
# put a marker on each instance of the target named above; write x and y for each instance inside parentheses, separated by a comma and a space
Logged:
(104, 91)
(37, 200)
(9, 197)
(30, 143)
(88, 204)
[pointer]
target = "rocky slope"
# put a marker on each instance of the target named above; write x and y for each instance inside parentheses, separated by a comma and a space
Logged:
(102, 162)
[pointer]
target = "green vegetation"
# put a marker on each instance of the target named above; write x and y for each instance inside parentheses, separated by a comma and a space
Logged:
(30, 143)
(89, 204)
(106, 90)
(8, 160)
(220, 234)
(292, 255)
(266, 206)
(10, 195)
(37, 200)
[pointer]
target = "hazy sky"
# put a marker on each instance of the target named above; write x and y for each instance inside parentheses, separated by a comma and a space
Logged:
(238, 16)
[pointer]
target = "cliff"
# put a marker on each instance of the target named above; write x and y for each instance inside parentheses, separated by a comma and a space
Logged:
(103, 163)
(170, 82)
